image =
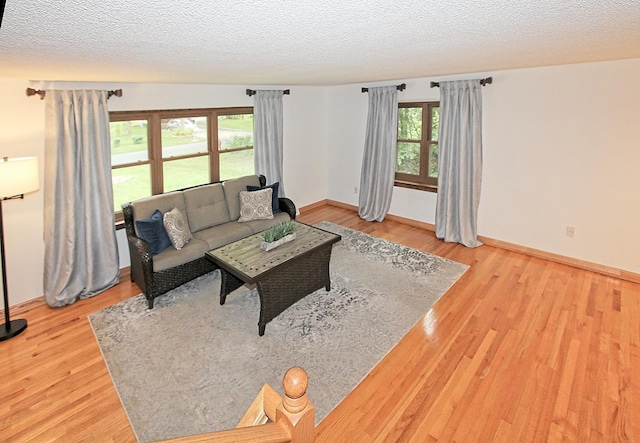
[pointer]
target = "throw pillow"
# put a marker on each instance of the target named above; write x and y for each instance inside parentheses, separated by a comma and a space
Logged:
(177, 228)
(152, 231)
(255, 205)
(275, 206)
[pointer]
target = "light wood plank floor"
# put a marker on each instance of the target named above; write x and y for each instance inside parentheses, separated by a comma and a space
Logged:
(520, 349)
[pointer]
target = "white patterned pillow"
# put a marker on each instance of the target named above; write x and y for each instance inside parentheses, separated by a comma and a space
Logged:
(177, 228)
(255, 205)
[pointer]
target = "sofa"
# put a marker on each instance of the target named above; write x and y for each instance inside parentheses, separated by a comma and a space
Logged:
(207, 216)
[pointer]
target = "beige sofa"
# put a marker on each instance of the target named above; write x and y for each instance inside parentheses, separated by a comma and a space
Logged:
(212, 212)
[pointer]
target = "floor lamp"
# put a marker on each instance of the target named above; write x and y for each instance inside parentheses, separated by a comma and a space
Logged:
(18, 176)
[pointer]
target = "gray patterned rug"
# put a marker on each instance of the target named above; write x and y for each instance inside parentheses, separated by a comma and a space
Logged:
(191, 366)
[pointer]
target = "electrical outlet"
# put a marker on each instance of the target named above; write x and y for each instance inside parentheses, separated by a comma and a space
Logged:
(355, 189)
(571, 231)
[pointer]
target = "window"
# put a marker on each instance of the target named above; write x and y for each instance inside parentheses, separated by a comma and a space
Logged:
(417, 155)
(159, 151)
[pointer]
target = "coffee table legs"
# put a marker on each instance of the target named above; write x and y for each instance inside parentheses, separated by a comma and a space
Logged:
(292, 282)
(285, 285)
(228, 284)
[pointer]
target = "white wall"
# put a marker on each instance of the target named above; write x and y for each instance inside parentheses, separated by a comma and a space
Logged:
(22, 134)
(561, 147)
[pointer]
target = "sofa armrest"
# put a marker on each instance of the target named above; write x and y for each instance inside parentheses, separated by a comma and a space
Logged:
(127, 213)
(141, 263)
(139, 253)
(286, 205)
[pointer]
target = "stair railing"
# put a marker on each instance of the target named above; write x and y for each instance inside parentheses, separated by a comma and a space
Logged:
(271, 418)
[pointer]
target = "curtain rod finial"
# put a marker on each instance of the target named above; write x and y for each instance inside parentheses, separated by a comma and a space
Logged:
(117, 93)
(31, 91)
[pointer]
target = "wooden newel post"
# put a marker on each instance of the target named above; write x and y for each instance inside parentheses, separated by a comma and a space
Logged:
(296, 410)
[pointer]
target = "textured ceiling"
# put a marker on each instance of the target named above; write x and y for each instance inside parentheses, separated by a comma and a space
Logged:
(321, 42)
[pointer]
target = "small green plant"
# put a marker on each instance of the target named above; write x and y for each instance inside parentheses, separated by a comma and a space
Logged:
(180, 132)
(239, 141)
(137, 139)
(278, 231)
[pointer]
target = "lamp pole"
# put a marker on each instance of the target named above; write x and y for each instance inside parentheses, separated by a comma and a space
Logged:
(10, 328)
(18, 176)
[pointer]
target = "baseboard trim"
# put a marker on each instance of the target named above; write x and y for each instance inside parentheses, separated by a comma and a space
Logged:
(562, 259)
(315, 205)
(26, 306)
(557, 258)
(40, 301)
(125, 272)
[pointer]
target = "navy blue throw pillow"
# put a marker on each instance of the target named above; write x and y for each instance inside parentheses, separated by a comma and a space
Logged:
(152, 231)
(275, 205)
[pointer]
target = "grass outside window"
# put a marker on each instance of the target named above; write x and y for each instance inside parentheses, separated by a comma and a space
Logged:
(159, 151)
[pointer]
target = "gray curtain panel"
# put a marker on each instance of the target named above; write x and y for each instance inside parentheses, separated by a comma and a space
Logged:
(379, 159)
(459, 162)
(81, 253)
(267, 137)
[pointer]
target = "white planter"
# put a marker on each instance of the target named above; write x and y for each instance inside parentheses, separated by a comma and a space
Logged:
(269, 246)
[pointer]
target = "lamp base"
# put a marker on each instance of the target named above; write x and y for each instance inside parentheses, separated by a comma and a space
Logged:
(13, 328)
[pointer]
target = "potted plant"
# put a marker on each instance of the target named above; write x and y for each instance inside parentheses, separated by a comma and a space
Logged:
(277, 235)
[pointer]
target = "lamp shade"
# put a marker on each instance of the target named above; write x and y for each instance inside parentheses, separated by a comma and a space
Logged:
(18, 176)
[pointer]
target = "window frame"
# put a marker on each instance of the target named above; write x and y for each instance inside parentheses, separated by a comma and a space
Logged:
(422, 181)
(155, 159)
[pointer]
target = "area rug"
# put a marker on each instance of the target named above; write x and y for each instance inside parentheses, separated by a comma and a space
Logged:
(191, 366)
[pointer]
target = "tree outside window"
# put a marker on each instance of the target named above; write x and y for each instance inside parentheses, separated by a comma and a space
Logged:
(417, 149)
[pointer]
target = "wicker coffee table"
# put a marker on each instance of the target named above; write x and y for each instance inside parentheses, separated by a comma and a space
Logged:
(283, 275)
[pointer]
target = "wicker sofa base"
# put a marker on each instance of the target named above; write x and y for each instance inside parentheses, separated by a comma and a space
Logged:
(164, 281)
(153, 284)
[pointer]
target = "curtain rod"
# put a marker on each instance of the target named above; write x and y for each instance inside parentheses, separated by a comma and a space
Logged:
(400, 87)
(483, 82)
(41, 93)
(251, 92)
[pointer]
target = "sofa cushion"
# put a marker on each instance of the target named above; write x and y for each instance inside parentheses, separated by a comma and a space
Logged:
(145, 207)
(205, 207)
(152, 231)
(170, 258)
(224, 234)
(255, 205)
(232, 190)
(177, 228)
(275, 207)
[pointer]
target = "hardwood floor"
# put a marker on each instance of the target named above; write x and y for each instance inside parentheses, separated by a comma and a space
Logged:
(520, 349)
